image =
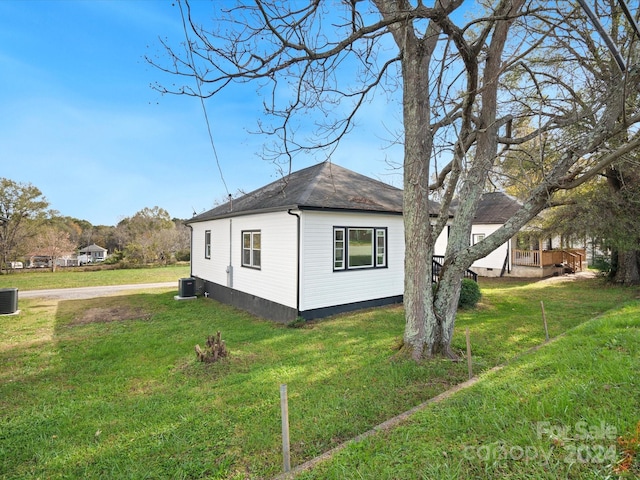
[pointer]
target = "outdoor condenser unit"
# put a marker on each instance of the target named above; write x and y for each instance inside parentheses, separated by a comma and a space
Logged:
(8, 300)
(187, 287)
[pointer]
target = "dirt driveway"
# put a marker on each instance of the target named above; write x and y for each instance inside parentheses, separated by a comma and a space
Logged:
(92, 292)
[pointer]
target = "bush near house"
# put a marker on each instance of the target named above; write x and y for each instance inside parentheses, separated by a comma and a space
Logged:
(469, 294)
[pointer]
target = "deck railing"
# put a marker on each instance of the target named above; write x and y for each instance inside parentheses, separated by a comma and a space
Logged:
(438, 261)
(569, 257)
(527, 258)
(574, 258)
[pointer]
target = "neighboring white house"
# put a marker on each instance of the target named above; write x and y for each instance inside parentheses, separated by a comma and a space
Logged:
(494, 209)
(91, 254)
(534, 257)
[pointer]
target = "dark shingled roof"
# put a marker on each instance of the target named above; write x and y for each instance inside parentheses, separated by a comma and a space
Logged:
(322, 186)
(495, 208)
(92, 248)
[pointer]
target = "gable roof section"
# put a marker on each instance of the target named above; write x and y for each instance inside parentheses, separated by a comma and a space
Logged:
(92, 248)
(325, 186)
(495, 208)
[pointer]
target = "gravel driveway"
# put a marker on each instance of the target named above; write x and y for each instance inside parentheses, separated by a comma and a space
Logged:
(91, 292)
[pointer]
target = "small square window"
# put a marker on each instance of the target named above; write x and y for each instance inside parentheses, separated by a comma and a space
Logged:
(477, 237)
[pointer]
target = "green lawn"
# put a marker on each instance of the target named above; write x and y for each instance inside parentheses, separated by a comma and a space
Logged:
(569, 410)
(109, 388)
(38, 279)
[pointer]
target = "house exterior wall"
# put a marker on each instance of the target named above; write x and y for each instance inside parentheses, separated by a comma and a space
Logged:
(322, 288)
(274, 281)
(440, 246)
(281, 289)
(491, 265)
(519, 271)
(98, 256)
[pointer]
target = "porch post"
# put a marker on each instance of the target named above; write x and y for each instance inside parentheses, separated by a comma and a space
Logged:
(540, 251)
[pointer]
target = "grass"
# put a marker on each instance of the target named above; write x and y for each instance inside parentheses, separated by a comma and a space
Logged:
(68, 278)
(110, 387)
(568, 411)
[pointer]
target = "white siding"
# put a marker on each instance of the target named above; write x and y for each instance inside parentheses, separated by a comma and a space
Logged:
(495, 259)
(440, 246)
(321, 286)
(276, 278)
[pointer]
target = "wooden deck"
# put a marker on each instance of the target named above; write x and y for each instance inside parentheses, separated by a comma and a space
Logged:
(570, 258)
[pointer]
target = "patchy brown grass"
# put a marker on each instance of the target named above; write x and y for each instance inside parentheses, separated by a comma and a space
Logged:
(117, 313)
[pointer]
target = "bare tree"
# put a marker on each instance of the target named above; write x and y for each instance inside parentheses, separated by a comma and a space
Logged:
(461, 87)
(53, 243)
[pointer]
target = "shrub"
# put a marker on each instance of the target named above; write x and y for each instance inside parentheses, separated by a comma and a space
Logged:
(183, 255)
(298, 322)
(601, 263)
(114, 258)
(469, 294)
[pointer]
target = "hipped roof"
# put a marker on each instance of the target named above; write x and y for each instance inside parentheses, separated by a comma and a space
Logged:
(325, 186)
(495, 208)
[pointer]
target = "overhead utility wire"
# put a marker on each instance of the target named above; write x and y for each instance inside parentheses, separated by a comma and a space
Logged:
(204, 109)
(627, 13)
(603, 33)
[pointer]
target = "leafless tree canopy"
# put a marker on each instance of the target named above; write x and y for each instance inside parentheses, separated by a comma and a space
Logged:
(474, 83)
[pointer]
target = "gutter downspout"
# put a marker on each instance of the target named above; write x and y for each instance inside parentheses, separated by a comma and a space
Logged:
(298, 260)
(190, 227)
(230, 266)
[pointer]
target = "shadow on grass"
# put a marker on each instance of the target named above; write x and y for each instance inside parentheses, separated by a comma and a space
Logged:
(116, 391)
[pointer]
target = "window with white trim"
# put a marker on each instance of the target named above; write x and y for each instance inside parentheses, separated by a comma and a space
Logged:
(207, 244)
(477, 237)
(251, 249)
(359, 247)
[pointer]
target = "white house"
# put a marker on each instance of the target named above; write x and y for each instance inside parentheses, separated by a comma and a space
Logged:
(526, 254)
(325, 240)
(494, 209)
(320, 241)
(92, 254)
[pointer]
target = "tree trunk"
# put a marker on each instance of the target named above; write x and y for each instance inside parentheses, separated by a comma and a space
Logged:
(418, 294)
(625, 262)
(627, 267)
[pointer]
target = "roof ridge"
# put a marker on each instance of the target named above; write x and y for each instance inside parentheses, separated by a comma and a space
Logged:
(308, 191)
(325, 185)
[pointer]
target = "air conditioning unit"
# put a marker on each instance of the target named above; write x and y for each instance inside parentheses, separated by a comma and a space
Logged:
(8, 301)
(187, 287)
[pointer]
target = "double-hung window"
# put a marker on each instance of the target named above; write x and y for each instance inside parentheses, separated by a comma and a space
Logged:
(359, 247)
(207, 244)
(477, 237)
(251, 249)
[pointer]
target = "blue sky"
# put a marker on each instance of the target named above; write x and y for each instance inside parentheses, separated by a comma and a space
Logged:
(79, 120)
